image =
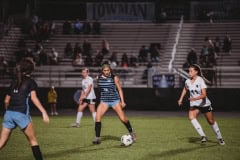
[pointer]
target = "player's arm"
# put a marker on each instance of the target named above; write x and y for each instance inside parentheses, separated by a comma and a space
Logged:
(38, 104)
(7, 101)
(202, 96)
(184, 91)
(117, 82)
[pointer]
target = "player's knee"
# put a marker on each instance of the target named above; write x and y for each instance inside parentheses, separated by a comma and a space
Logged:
(211, 121)
(191, 118)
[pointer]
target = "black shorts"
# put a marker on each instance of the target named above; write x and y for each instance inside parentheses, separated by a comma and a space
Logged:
(89, 101)
(203, 109)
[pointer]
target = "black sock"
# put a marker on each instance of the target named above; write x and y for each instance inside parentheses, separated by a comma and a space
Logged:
(128, 126)
(98, 126)
(37, 153)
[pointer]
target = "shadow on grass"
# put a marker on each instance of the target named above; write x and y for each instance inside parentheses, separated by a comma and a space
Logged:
(84, 149)
(197, 140)
(173, 153)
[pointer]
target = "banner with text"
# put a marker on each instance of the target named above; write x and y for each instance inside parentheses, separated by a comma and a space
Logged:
(120, 11)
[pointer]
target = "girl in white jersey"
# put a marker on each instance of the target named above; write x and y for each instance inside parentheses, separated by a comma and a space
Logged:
(87, 97)
(199, 102)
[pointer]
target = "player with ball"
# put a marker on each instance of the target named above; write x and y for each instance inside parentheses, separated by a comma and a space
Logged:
(111, 96)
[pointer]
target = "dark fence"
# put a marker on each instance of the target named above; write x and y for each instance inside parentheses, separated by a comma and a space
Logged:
(147, 98)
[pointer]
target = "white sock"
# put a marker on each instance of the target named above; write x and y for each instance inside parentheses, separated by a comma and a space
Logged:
(217, 130)
(94, 116)
(79, 116)
(198, 127)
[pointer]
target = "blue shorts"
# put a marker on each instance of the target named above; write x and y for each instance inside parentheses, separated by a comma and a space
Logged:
(111, 104)
(13, 119)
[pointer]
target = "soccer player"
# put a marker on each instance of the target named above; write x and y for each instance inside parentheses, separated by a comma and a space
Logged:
(87, 97)
(17, 107)
(199, 102)
(111, 96)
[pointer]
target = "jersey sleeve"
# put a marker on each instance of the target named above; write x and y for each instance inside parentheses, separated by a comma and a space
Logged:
(202, 84)
(33, 86)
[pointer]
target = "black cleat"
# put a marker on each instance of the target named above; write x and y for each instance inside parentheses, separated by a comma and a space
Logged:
(203, 139)
(96, 140)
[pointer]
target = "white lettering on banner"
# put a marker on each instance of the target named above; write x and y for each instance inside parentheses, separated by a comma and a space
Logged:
(121, 11)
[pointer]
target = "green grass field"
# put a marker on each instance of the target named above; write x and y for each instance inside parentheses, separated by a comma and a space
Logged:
(159, 138)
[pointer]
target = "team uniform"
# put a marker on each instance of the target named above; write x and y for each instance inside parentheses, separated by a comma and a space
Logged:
(91, 97)
(195, 90)
(203, 105)
(17, 113)
(108, 91)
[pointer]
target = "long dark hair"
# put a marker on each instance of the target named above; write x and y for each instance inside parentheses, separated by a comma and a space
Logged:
(24, 69)
(197, 68)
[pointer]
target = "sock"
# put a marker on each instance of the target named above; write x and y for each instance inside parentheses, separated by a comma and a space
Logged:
(128, 126)
(37, 153)
(79, 116)
(198, 127)
(216, 130)
(94, 116)
(98, 126)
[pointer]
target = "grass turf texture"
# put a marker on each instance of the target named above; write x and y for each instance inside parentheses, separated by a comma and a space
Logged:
(159, 138)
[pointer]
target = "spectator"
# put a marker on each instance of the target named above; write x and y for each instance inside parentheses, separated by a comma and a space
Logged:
(77, 26)
(52, 27)
(52, 100)
(78, 61)
(86, 27)
(113, 58)
(43, 58)
(204, 54)
(227, 44)
(77, 49)
(96, 27)
(192, 57)
(87, 47)
(217, 45)
(133, 61)
(67, 27)
(68, 51)
(143, 54)
(53, 57)
(88, 60)
(124, 60)
(105, 47)
(99, 58)
(154, 52)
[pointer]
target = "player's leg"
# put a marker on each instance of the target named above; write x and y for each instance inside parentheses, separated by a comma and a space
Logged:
(121, 115)
(5, 134)
(51, 107)
(81, 107)
(101, 110)
(55, 108)
(92, 110)
(30, 134)
(192, 115)
(213, 123)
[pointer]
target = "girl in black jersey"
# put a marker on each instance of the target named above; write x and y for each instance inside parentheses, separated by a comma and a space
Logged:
(17, 107)
(111, 96)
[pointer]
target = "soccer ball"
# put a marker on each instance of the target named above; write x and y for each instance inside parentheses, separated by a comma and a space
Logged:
(126, 140)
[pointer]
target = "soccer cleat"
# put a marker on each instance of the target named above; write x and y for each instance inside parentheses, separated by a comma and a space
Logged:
(221, 141)
(203, 139)
(96, 140)
(75, 125)
(133, 135)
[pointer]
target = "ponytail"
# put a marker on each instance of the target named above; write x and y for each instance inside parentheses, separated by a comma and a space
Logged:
(199, 70)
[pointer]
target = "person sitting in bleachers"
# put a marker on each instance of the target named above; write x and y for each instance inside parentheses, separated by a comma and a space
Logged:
(87, 48)
(192, 57)
(78, 61)
(98, 58)
(77, 49)
(68, 50)
(105, 47)
(96, 27)
(227, 44)
(133, 61)
(113, 58)
(67, 27)
(217, 45)
(77, 26)
(86, 27)
(124, 62)
(143, 54)
(154, 50)
(53, 57)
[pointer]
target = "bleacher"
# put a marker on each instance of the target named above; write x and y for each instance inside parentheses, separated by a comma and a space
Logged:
(192, 36)
(128, 38)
